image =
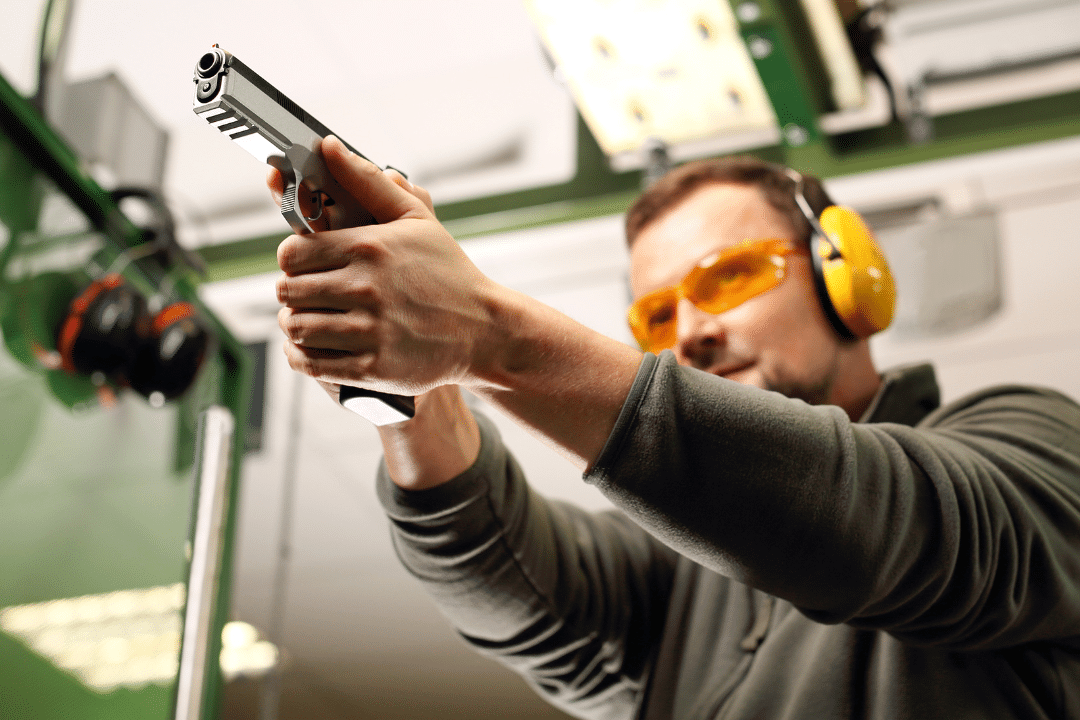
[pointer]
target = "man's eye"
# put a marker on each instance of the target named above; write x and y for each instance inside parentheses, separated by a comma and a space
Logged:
(732, 272)
(662, 316)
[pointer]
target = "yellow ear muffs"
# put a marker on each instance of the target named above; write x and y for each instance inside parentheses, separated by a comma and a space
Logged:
(851, 276)
(856, 276)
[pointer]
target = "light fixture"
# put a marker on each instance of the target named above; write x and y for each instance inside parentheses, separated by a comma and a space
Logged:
(670, 70)
(244, 653)
(127, 638)
(846, 84)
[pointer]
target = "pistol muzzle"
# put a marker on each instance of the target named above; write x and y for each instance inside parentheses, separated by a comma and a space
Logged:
(210, 63)
(208, 73)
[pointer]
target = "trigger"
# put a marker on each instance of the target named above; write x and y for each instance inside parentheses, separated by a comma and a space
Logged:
(317, 199)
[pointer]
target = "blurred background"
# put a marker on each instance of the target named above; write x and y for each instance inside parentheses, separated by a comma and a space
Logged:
(204, 540)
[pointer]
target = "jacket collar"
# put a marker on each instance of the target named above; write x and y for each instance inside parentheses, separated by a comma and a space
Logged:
(907, 394)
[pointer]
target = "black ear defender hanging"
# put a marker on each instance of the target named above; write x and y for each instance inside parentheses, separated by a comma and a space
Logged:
(105, 324)
(851, 275)
(110, 332)
(113, 333)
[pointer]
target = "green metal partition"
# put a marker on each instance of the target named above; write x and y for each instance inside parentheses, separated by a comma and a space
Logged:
(98, 487)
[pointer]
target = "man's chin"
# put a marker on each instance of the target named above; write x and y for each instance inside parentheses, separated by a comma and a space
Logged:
(747, 375)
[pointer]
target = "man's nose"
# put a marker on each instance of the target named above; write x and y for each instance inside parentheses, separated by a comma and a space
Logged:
(700, 335)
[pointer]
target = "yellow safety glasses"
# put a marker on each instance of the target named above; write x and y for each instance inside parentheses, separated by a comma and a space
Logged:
(718, 283)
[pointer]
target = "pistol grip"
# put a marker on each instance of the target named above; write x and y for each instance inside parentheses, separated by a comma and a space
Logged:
(376, 407)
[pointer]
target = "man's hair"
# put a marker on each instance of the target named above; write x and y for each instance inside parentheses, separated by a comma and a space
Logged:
(774, 183)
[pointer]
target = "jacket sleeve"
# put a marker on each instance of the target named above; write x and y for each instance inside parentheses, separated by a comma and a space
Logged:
(573, 601)
(961, 532)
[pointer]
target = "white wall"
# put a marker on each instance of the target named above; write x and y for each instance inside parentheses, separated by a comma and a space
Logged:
(1035, 339)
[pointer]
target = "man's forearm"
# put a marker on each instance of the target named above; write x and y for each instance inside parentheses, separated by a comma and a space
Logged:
(558, 378)
(438, 444)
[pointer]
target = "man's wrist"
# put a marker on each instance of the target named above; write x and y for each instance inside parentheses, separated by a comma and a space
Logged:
(438, 444)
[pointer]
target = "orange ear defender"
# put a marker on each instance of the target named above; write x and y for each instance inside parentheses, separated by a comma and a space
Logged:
(851, 274)
(104, 323)
(170, 357)
(110, 330)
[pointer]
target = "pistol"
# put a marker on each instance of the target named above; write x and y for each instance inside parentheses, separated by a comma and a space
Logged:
(259, 118)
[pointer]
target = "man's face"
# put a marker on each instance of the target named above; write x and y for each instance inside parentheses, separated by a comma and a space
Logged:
(779, 340)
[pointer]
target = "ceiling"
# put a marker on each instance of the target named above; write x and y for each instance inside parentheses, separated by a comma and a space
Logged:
(458, 95)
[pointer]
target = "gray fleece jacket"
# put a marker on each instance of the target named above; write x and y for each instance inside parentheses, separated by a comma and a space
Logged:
(774, 560)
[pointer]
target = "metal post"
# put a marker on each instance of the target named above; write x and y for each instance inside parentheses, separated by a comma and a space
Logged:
(216, 428)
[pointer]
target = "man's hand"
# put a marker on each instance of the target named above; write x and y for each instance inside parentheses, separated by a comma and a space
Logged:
(332, 218)
(443, 439)
(397, 306)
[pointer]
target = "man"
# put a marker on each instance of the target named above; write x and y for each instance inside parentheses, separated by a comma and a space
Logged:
(801, 537)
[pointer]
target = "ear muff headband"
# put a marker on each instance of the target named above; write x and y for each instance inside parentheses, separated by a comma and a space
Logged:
(851, 274)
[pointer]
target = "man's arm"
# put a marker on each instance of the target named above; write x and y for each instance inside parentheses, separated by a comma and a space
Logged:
(574, 601)
(441, 442)
(962, 532)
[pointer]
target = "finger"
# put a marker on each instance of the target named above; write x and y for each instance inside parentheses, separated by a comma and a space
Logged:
(308, 204)
(327, 366)
(318, 252)
(424, 196)
(373, 189)
(418, 192)
(399, 178)
(329, 332)
(314, 291)
(338, 290)
(403, 182)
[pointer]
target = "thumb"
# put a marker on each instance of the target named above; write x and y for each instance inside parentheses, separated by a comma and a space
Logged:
(373, 189)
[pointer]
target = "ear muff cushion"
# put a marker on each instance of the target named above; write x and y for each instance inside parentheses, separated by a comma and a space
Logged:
(859, 282)
(170, 360)
(105, 326)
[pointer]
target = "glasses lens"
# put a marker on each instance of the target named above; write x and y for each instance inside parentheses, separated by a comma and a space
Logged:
(652, 319)
(733, 278)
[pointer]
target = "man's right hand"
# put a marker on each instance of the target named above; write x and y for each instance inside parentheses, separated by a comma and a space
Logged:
(443, 439)
(398, 307)
(395, 307)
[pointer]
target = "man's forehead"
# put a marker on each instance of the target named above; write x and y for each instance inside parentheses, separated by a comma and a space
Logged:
(711, 218)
